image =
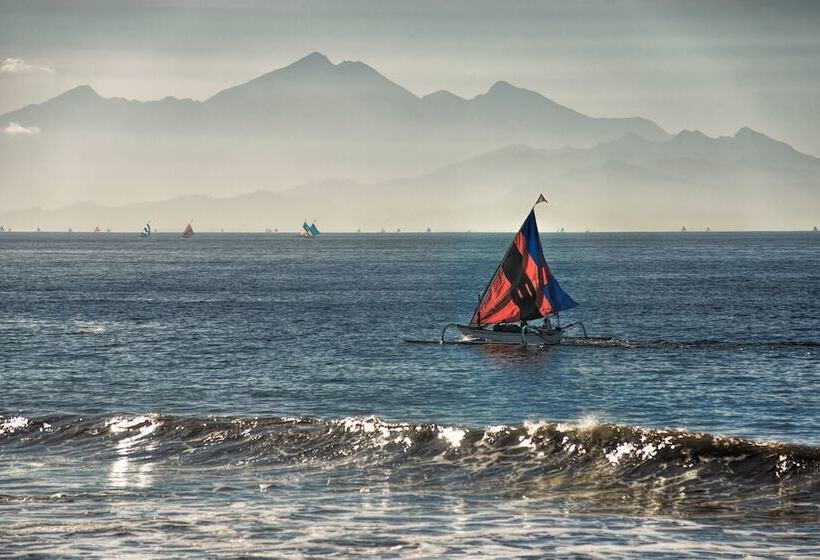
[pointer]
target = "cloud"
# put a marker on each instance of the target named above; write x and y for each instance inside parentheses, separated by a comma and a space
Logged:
(13, 129)
(20, 66)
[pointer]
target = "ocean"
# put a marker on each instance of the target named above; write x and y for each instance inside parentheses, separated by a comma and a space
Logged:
(250, 395)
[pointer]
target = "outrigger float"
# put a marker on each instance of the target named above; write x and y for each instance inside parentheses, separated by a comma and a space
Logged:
(522, 289)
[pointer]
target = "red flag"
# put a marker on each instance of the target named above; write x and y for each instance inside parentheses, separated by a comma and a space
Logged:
(541, 199)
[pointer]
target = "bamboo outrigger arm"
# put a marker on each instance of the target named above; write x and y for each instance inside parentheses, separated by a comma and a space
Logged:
(444, 330)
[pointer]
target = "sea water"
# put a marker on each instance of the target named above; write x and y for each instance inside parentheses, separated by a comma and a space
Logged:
(239, 394)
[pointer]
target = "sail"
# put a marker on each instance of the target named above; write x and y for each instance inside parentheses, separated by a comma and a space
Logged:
(313, 229)
(523, 287)
(189, 231)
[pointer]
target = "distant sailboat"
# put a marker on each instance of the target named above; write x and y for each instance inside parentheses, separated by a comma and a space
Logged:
(188, 232)
(708, 229)
(70, 230)
(38, 230)
(382, 230)
(96, 229)
(815, 228)
(683, 228)
(146, 231)
(398, 230)
(2, 229)
(428, 230)
(309, 231)
(359, 230)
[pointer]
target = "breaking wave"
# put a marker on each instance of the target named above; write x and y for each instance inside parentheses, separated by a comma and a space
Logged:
(604, 465)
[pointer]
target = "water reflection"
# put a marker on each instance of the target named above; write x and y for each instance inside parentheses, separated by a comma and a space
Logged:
(132, 467)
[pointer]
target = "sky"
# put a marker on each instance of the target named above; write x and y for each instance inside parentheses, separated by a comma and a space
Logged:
(712, 66)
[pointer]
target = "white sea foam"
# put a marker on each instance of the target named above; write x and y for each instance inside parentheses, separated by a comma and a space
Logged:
(12, 424)
(524, 441)
(491, 433)
(452, 436)
(383, 433)
(624, 449)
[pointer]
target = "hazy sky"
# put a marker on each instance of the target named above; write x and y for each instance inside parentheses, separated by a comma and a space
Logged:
(714, 65)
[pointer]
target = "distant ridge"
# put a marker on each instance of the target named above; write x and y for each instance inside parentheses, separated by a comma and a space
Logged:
(689, 178)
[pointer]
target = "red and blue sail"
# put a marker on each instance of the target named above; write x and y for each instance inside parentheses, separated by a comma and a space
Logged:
(523, 288)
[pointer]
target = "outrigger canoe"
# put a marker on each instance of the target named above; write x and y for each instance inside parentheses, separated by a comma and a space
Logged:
(522, 299)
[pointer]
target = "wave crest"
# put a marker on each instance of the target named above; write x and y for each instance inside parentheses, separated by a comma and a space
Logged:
(611, 464)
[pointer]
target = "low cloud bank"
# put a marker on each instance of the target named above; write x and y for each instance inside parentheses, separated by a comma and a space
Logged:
(13, 129)
(20, 66)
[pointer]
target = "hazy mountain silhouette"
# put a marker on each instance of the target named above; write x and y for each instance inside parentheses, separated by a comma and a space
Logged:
(313, 92)
(310, 120)
(748, 181)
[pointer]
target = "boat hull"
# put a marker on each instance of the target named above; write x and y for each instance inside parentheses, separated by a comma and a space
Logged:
(536, 337)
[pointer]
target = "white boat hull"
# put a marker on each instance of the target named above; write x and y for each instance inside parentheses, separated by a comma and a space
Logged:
(532, 336)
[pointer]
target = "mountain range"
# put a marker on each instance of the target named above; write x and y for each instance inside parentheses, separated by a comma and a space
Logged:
(344, 133)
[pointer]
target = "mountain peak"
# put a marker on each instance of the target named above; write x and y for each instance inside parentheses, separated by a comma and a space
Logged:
(749, 136)
(82, 91)
(765, 146)
(748, 133)
(313, 59)
(501, 87)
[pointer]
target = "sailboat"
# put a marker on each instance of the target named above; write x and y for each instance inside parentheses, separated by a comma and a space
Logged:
(683, 228)
(188, 232)
(146, 231)
(96, 229)
(428, 230)
(522, 289)
(309, 231)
